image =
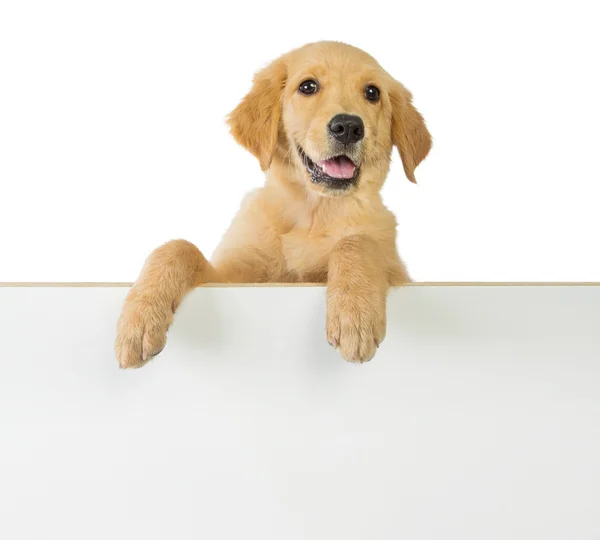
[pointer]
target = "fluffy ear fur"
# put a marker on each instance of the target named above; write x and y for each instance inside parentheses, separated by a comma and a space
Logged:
(409, 132)
(254, 122)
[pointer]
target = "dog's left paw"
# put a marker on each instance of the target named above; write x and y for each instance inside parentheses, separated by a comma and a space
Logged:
(355, 326)
(141, 331)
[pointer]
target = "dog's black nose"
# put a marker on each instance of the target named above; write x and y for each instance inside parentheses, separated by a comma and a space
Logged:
(347, 128)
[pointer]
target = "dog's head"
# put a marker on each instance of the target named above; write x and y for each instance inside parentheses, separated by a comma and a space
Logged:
(330, 113)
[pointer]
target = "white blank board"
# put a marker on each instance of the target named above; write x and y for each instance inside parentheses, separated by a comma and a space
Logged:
(479, 418)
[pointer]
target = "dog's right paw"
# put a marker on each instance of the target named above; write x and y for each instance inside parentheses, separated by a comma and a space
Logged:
(141, 331)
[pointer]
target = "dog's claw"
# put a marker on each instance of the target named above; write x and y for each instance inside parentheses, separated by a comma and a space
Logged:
(150, 355)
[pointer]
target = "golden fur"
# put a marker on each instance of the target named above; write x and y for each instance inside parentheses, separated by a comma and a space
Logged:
(294, 230)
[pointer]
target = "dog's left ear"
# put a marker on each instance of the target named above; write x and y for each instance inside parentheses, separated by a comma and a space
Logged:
(409, 132)
(254, 122)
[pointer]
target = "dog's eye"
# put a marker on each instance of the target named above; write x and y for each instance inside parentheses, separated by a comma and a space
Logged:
(308, 87)
(372, 93)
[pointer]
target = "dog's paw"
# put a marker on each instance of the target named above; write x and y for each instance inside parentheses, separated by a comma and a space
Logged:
(355, 326)
(141, 331)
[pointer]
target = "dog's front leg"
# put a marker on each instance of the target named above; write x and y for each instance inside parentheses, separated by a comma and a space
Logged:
(168, 274)
(357, 287)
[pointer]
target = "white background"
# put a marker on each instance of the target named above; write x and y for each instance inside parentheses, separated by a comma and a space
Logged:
(113, 140)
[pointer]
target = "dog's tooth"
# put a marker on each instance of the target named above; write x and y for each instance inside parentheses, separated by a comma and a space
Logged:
(324, 168)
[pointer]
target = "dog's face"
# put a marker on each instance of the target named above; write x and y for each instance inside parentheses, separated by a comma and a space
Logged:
(331, 114)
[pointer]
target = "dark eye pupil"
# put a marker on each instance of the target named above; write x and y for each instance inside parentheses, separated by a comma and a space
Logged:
(308, 87)
(372, 93)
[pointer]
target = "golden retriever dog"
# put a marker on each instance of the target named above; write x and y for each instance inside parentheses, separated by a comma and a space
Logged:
(322, 120)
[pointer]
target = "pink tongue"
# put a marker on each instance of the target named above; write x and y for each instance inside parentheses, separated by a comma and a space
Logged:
(339, 167)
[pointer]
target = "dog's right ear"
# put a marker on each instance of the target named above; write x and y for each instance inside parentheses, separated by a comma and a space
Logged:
(409, 132)
(254, 122)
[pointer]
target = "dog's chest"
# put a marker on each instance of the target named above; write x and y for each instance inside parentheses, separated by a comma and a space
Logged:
(306, 252)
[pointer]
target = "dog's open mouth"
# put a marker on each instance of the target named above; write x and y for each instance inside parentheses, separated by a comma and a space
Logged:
(338, 172)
